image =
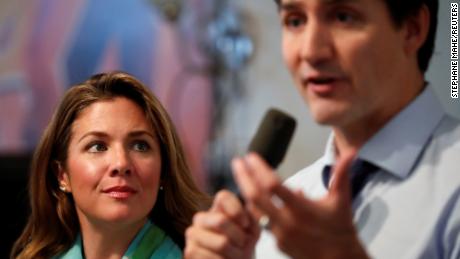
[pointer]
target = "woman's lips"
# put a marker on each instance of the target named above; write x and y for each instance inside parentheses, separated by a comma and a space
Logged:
(120, 192)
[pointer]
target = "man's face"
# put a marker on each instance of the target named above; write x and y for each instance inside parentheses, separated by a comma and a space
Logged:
(347, 58)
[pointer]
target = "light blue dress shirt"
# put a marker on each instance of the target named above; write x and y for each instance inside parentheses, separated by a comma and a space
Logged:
(411, 207)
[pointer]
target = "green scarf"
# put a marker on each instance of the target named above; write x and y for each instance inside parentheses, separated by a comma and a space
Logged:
(150, 243)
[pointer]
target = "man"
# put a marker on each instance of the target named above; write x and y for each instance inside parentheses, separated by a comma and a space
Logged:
(387, 185)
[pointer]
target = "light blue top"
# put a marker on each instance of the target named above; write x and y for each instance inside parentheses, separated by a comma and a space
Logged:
(411, 207)
(151, 242)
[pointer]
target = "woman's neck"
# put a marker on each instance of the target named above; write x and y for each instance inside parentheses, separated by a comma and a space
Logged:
(101, 240)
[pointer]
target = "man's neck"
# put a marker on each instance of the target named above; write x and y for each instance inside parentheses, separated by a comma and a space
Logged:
(351, 138)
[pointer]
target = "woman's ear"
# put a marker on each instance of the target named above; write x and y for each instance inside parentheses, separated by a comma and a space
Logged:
(161, 187)
(63, 178)
(416, 28)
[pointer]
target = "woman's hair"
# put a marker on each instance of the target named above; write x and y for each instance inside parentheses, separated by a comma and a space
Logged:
(53, 224)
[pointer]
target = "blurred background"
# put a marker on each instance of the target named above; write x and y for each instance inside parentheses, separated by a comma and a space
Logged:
(215, 65)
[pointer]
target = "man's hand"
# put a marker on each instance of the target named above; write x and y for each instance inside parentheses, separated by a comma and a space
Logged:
(227, 230)
(303, 228)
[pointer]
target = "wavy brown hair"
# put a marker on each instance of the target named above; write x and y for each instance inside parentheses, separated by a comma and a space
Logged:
(53, 224)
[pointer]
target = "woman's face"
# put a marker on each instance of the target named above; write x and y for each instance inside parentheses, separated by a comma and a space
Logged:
(113, 165)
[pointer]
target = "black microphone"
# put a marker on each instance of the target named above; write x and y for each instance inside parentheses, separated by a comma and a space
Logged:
(273, 136)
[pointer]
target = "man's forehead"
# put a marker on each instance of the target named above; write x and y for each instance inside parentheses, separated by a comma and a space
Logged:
(283, 2)
(295, 4)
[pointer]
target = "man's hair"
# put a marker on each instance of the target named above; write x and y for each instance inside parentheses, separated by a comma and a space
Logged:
(401, 10)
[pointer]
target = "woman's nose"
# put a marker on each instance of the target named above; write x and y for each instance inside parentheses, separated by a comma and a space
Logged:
(121, 163)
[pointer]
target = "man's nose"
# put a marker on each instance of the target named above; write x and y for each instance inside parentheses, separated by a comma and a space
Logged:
(317, 44)
(120, 162)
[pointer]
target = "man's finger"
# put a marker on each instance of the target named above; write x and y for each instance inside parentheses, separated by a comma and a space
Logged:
(227, 203)
(215, 242)
(255, 195)
(219, 223)
(193, 251)
(244, 181)
(264, 175)
(340, 184)
(268, 179)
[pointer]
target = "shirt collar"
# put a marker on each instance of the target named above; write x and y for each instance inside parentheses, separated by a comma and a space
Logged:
(329, 152)
(396, 147)
(135, 243)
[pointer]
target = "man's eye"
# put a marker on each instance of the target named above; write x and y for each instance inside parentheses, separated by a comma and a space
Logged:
(97, 147)
(294, 21)
(141, 146)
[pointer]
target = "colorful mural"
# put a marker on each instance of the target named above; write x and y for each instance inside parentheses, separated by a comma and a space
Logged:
(48, 45)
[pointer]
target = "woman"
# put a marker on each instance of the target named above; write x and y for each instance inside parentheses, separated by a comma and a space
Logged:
(109, 178)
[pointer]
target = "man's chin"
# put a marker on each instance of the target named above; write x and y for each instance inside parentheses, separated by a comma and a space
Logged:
(327, 111)
(325, 122)
(327, 118)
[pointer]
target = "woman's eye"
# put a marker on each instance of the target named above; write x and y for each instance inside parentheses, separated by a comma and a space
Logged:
(141, 146)
(97, 147)
(344, 17)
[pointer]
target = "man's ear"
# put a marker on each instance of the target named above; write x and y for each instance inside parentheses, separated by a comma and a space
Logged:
(63, 178)
(416, 29)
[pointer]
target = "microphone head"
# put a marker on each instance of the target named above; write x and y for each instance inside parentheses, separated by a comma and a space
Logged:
(273, 136)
